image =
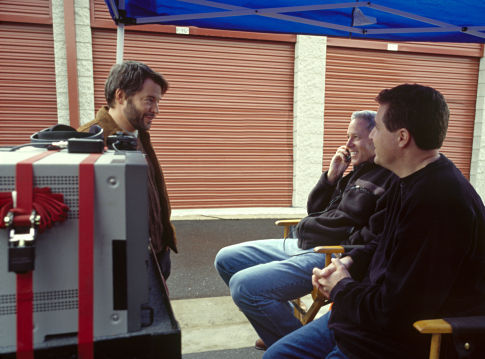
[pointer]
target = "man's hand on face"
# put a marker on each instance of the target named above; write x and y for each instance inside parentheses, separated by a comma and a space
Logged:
(325, 279)
(338, 165)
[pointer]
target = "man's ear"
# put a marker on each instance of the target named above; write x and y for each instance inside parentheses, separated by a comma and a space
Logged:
(120, 96)
(403, 137)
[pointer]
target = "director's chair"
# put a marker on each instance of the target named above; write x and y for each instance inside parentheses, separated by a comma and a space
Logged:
(307, 315)
(435, 327)
(468, 332)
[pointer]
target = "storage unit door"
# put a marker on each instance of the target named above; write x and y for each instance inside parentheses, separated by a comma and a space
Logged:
(224, 132)
(355, 76)
(27, 81)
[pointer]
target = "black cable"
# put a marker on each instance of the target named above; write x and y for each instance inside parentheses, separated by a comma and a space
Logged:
(116, 149)
(37, 144)
(295, 255)
(114, 146)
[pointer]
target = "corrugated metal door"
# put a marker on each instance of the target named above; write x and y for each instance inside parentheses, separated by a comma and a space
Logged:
(355, 76)
(224, 132)
(27, 73)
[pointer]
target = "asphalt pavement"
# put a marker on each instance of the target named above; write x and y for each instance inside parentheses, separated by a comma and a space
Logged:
(193, 273)
(212, 326)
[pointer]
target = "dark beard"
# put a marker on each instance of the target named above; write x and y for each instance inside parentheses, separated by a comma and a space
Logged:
(134, 117)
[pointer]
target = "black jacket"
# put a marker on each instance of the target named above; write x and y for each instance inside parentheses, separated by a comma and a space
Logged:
(340, 213)
(428, 262)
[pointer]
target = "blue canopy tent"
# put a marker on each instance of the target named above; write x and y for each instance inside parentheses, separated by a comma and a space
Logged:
(395, 20)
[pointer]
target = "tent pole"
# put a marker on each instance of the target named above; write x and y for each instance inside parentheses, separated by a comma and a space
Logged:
(120, 44)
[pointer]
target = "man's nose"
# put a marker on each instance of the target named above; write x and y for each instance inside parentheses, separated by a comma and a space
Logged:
(349, 142)
(155, 108)
(371, 134)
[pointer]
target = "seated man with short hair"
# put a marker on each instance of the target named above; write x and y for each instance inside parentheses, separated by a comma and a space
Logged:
(264, 275)
(428, 262)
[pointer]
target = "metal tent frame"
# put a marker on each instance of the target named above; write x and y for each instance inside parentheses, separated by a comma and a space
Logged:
(395, 20)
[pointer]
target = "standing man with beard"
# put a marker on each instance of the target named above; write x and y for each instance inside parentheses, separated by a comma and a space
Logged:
(133, 92)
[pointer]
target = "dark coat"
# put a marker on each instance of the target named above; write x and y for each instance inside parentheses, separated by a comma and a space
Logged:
(428, 262)
(162, 233)
(340, 213)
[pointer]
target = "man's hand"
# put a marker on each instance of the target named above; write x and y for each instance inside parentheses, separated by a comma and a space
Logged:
(338, 165)
(325, 279)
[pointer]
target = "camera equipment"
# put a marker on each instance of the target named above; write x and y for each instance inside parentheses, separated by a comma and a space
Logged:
(132, 313)
(62, 136)
(122, 142)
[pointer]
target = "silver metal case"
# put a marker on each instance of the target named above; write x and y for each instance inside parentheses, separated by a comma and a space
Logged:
(120, 221)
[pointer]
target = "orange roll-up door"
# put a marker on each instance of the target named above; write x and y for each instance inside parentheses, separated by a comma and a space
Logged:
(28, 101)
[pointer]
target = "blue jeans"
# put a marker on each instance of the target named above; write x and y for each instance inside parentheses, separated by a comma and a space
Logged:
(263, 276)
(313, 341)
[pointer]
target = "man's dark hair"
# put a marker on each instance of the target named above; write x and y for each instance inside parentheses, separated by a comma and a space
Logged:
(420, 109)
(129, 76)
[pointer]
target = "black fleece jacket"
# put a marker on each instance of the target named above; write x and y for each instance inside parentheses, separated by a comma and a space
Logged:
(429, 262)
(340, 213)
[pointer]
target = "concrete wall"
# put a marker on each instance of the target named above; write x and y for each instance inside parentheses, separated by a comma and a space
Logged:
(60, 61)
(477, 169)
(84, 60)
(308, 115)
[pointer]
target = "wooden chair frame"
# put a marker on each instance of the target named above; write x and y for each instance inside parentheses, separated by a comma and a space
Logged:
(435, 327)
(306, 316)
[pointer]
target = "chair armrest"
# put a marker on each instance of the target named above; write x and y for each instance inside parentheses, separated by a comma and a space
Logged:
(335, 250)
(287, 222)
(329, 249)
(433, 326)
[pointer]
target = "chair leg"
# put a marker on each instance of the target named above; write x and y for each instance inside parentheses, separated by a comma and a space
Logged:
(286, 232)
(298, 310)
(318, 302)
(434, 352)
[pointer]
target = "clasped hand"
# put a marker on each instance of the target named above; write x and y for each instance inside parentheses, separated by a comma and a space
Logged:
(325, 279)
